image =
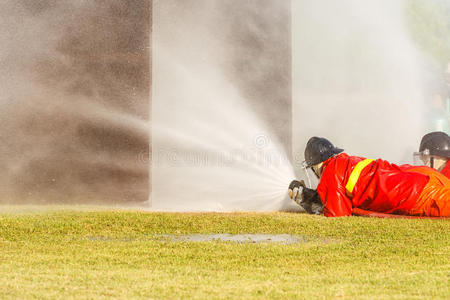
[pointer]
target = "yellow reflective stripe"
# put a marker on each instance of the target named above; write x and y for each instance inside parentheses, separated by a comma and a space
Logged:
(353, 179)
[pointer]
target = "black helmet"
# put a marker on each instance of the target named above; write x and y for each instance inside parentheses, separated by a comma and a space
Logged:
(318, 150)
(436, 143)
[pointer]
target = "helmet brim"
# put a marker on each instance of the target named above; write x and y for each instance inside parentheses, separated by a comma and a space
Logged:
(442, 153)
(334, 151)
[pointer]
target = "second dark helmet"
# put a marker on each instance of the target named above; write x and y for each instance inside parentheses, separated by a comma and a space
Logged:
(437, 143)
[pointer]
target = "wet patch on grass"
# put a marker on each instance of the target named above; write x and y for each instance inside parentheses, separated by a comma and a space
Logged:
(237, 238)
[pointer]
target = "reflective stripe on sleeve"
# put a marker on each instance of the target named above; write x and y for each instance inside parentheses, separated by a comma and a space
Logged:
(354, 176)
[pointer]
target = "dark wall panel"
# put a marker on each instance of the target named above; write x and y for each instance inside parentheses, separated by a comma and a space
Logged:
(75, 121)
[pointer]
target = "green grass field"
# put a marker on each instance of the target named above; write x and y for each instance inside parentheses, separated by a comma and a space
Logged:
(93, 253)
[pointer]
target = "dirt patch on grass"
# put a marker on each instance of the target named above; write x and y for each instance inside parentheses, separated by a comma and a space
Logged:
(237, 238)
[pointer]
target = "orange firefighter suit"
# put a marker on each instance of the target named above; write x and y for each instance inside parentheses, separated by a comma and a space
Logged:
(446, 169)
(349, 182)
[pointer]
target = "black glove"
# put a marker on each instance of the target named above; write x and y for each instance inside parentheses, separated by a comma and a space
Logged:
(311, 201)
(307, 198)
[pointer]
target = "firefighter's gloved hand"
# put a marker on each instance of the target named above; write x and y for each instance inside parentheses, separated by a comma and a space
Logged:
(307, 198)
(296, 190)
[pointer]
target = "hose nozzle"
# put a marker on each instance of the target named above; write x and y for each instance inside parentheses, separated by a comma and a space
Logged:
(295, 187)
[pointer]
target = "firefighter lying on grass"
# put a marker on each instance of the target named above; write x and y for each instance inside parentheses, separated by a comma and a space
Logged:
(351, 182)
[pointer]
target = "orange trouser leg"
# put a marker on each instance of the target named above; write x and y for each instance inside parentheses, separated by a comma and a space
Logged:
(434, 201)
